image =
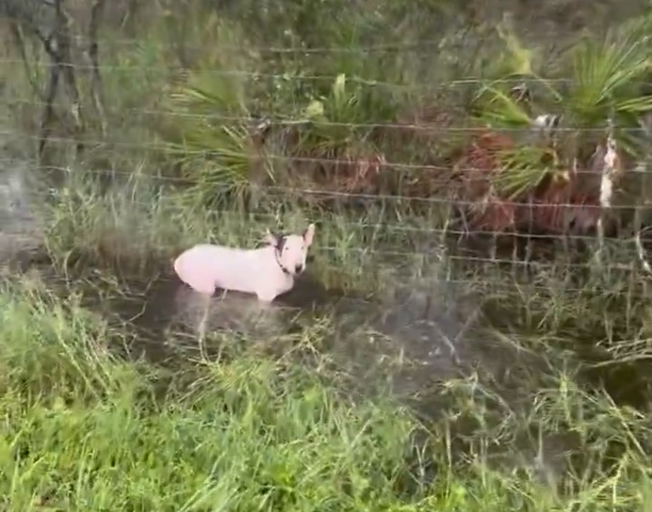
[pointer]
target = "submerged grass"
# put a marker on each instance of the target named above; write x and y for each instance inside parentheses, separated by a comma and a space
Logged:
(85, 430)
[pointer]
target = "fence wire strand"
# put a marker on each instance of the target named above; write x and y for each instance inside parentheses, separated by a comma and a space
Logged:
(449, 84)
(270, 157)
(276, 120)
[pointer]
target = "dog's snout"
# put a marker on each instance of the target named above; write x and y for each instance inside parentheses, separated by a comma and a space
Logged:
(298, 269)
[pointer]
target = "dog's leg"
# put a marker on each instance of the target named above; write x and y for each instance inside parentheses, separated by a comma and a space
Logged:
(264, 304)
(201, 329)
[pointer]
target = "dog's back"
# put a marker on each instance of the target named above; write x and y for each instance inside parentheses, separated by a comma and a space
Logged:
(206, 267)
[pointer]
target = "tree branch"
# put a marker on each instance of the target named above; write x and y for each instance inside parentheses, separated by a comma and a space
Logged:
(67, 68)
(19, 39)
(48, 109)
(56, 40)
(93, 53)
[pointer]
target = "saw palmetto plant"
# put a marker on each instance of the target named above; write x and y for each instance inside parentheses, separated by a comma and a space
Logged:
(600, 94)
(209, 132)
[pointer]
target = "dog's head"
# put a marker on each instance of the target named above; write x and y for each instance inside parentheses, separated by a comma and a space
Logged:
(292, 250)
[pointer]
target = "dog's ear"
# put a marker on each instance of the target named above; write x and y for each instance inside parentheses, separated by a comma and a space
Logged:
(272, 238)
(309, 234)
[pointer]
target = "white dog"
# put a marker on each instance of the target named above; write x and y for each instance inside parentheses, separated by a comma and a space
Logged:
(267, 272)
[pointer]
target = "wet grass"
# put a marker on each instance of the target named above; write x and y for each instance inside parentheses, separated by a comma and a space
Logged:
(139, 226)
(86, 430)
(533, 421)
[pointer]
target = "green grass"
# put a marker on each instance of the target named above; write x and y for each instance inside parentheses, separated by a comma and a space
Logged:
(305, 423)
(549, 409)
(84, 430)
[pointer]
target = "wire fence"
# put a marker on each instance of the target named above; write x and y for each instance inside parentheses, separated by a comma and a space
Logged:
(489, 267)
(407, 46)
(287, 159)
(120, 141)
(415, 231)
(159, 146)
(297, 77)
(300, 77)
(279, 121)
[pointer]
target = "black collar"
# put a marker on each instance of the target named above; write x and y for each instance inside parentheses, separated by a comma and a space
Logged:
(285, 270)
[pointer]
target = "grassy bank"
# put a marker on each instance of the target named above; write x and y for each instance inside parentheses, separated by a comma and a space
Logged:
(85, 431)
(562, 428)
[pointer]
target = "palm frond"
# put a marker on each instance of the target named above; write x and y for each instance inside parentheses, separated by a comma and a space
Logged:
(500, 110)
(521, 170)
(607, 72)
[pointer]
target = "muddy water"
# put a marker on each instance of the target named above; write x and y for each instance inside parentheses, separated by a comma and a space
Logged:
(423, 320)
(422, 328)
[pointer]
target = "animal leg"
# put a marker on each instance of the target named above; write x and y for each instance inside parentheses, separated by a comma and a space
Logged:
(265, 296)
(264, 303)
(201, 329)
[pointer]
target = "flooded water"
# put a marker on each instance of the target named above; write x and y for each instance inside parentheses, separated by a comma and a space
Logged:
(430, 321)
(413, 338)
